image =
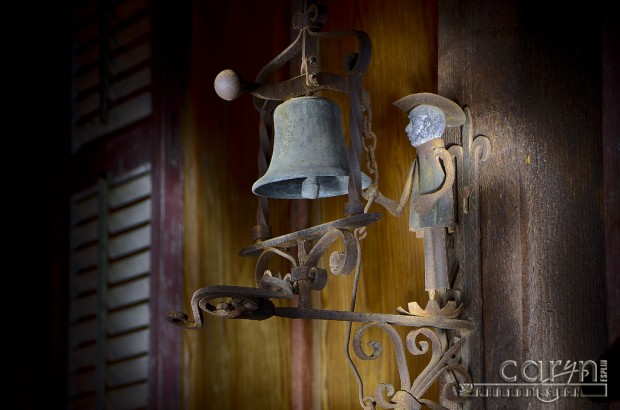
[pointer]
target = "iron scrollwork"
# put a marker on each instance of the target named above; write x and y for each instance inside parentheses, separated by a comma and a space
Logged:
(438, 174)
(438, 329)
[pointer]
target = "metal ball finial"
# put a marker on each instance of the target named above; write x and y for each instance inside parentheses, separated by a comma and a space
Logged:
(228, 85)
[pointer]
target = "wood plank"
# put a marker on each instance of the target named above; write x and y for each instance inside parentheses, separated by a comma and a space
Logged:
(534, 90)
(403, 36)
(611, 167)
(219, 200)
(220, 210)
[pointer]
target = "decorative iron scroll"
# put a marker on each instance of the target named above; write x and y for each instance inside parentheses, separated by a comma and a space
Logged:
(444, 326)
(439, 328)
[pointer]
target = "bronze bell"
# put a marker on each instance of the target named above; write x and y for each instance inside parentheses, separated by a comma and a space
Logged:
(309, 158)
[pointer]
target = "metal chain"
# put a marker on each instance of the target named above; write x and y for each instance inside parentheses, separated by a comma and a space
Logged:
(369, 144)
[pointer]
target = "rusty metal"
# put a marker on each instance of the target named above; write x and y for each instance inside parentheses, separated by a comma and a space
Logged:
(305, 274)
(257, 306)
(442, 328)
(435, 259)
(310, 234)
(445, 333)
(230, 85)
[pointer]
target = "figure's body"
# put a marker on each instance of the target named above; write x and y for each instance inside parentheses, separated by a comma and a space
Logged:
(429, 185)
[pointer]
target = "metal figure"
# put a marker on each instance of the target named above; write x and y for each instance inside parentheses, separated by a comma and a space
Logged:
(430, 181)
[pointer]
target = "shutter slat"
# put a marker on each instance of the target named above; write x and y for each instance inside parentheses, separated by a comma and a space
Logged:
(83, 382)
(130, 397)
(84, 209)
(130, 58)
(128, 319)
(128, 27)
(83, 307)
(131, 371)
(128, 345)
(118, 90)
(125, 10)
(127, 34)
(85, 233)
(84, 258)
(83, 357)
(120, 116)
(83, 332)
(129, 293)
(84, 282)
(129, 242)
(83, 402)
(129, 217)
(129, 267)
(130, 191)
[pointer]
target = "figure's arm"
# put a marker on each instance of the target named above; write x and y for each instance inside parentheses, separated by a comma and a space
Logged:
(423, 203)
(395, 208)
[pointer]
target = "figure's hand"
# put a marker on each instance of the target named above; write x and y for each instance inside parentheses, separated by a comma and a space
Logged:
(393, 207)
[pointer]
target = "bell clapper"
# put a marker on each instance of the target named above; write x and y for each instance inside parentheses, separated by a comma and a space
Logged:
(310, 188)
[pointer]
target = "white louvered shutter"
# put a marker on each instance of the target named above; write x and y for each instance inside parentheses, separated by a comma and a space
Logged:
(110, 292)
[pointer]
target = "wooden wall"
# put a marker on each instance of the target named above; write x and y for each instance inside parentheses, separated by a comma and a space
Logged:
(229, 364)
(403, 62)
(236, 364)
(533, 83)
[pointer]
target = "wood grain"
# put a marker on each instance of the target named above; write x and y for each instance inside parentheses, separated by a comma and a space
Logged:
(534, 89)
(403, 35)
(229, 363)
(236, 364)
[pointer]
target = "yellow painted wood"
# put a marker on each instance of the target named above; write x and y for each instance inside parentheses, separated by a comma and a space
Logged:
(404, 61)
(246, 364)
(229, 364)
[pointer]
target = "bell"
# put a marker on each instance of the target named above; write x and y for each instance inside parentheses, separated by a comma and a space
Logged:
(309, 158)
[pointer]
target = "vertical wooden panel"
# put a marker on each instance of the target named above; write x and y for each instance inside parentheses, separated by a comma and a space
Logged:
(234, 364)
(230, 363)
(534, 89)
(611, 165)
(403, 35)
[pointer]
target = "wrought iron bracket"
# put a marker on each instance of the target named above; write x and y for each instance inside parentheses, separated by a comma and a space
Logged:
(444, 327)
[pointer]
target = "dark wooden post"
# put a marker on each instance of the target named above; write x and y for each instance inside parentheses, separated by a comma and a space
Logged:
(532, 79)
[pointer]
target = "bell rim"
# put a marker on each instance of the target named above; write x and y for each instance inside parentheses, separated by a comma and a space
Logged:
(265, 180)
